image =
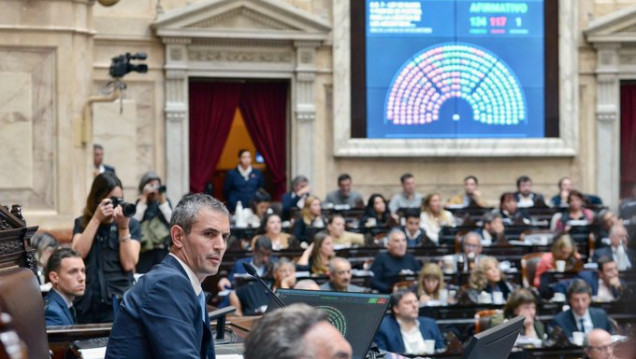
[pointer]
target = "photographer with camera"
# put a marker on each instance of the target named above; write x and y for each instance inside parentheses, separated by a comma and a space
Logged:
(154, 211)
(107, 238)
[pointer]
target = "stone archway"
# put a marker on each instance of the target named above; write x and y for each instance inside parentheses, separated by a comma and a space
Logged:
(239, 39)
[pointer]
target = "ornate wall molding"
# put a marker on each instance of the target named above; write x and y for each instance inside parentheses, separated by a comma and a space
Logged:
(200, 44)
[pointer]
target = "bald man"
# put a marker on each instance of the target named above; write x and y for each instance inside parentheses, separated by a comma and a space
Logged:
(598, 345)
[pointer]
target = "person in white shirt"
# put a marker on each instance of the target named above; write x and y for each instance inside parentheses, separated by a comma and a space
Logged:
(625, 257)
(434, 217)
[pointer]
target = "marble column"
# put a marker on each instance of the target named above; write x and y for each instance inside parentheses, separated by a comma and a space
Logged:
(177, 124)
(304, 108)
(607, 125)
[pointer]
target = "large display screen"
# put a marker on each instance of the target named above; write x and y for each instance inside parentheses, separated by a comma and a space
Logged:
(455, 69)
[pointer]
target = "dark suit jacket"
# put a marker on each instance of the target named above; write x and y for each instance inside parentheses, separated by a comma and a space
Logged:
(607, 251)
(567, 322)
(389, 336)
(589, 276)
(56, 311)
(160, 317)
(110, 169)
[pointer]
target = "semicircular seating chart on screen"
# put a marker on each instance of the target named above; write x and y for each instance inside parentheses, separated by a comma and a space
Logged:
(455, 70)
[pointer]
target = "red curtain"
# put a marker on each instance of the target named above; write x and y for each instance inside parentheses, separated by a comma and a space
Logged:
(264, 109)
(628, 137)
(212, 108)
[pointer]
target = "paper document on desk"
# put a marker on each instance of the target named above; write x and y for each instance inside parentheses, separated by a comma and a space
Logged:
(93, 353)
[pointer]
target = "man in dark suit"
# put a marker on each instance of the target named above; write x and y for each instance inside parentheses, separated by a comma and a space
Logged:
(98, 161)
(66, 272)
(625, 257)
(605, 283)
(404, 321)
(581, 317)
(261, 260)
(164, 315)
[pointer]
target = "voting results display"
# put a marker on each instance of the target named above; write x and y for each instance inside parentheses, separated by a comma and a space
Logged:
(455, 69)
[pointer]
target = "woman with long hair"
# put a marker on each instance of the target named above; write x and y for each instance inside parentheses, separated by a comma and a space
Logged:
(108, 240)
(316, 257)
(575, 212)
(430, 284)
(563, 249)
(487, 277)
(376, 213)
(271, 226)
(310, 217)
(433, 217)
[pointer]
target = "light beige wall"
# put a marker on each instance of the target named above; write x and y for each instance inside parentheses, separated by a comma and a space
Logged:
(79, 64)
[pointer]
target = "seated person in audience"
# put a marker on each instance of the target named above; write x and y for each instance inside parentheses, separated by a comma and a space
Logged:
(154, 212)
(471, 196)
(376, 213)
(434, 217)
(565, 186)
(344, 196)
(259, 205)
(388, 265)
(310, 217)
(509, 212)
(598, 344)
(242, 182)
(487, 277)
(251, 299)
(404, 331)
(604, 220)
(260, 260)
(297, 331)
(271, 227)
(340, 277)
(307, 284)
(336, 229)
(627, 208)
(295, 199)
(581, 317)
(316, 257)
(66, 272)
(624, 256)
(575, 212)
(44, 245)
(523, 302)
(408, 198)
(563, 249)
(605, 283)
(525, 197)
(471, 251)
(431, 287)
(415, 236)
(492, 230)
(561, 199)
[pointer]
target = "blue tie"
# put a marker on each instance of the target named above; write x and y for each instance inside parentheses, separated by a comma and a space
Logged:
(582, 325)
(201, 298)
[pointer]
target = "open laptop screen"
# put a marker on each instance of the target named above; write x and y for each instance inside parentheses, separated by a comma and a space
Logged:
(356, 315)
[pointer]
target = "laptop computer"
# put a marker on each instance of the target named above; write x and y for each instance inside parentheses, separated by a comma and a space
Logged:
(356, 315)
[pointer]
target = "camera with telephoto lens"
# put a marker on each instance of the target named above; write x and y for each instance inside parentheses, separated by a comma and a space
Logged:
(128, 209)
(161, 189)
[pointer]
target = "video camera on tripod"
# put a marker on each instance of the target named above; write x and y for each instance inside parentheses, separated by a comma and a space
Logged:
(121, 64)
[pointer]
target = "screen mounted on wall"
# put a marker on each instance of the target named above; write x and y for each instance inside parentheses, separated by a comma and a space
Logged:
(454, 69)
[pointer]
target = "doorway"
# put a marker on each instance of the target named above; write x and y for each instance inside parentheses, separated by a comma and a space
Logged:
(226, 116)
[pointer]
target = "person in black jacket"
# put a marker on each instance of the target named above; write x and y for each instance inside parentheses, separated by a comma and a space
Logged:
(387, 266)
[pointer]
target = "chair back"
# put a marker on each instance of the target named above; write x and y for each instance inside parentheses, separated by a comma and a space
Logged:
(21, 298)
(483, 319)
(529, 264)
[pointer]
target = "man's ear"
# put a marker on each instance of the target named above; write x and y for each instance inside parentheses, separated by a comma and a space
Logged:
(53, 277)
(178, 236)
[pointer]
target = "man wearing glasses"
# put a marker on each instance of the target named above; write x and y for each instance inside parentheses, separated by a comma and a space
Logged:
(598, 345)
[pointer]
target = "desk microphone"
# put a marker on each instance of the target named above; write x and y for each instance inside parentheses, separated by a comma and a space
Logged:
(252, 271)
